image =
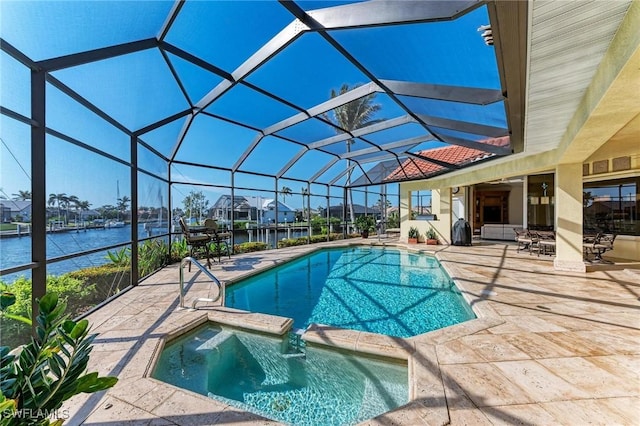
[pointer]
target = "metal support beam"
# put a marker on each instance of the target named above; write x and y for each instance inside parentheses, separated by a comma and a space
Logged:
(342, 173)
(176, 77)
(233, 194)
(389, 12)
(367, 177)
(85, 103)
(330, 140)
(38, 191)
(493, 149)
(247, 152)
(181, 136)
(82, 58)
(440, 163)
(134, 212)
(392, 145)
(324, 107)
(171, 17)
(168, 47)
(214, 94)
(162, 122)
(323, 170)
(291, 162)
(271, 48)
(468, 95)
(464, 126)
(18, 55)
(17, 116)
(382, 125)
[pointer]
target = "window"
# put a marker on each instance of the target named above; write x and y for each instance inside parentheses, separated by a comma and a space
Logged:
(612, 206)
(420, 204)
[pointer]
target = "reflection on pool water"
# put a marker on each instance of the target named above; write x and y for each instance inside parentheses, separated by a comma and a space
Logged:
(381, 290)
(268, 376)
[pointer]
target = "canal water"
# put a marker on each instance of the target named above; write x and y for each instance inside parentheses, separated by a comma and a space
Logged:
(16, 251)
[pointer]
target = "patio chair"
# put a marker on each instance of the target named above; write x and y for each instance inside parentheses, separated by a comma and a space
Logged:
(546, 242)
(197, 242)
(524, 239)
(218, 238)
(599, 245)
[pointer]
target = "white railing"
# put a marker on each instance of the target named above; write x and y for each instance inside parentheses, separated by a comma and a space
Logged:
(221, 287)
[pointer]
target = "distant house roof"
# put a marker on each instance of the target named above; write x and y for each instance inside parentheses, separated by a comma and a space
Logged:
(413, 168)
(261, 203)
(15, 205)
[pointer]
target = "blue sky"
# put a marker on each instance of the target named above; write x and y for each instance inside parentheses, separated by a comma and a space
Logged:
(139, 89)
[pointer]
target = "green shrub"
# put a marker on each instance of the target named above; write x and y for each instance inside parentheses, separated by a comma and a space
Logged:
(413, 232)
(77, 294)
(366, 223)
(318, 239)
(70, 289)
(179, 250)
(393, 220)
(152, 255)
(291, 242)
(120, 257)
(317, 222)
(249, 247)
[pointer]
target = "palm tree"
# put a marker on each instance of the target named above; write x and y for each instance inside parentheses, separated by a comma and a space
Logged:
(351, 116)
(285, 191)
(83, 206)
(123, 204)
(22, 196)
(73, 200)
(58, 200)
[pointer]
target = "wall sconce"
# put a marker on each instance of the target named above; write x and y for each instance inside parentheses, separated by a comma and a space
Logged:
(544, 200)
(533, 201)
(487, 34)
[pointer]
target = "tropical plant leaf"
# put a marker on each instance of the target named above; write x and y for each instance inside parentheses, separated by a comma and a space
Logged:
(7, 299)
(47, 303)
(79, 329)
(40, 378)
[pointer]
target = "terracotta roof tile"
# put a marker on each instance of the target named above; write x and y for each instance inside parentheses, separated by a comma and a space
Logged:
(413, 168)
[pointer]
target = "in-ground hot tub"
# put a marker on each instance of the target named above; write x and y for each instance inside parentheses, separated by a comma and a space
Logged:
(283, 380)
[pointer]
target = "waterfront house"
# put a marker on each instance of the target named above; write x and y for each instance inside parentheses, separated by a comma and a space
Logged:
(15, 210)
(251, 209)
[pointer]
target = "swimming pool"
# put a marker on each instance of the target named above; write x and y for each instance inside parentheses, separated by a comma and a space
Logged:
(264, 375)
(380, 290)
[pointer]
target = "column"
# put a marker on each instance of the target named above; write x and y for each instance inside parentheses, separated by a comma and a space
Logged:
(568, 218)
(441, 204)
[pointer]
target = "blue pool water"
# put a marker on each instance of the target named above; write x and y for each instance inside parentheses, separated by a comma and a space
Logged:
(380, 290)
(266, 376)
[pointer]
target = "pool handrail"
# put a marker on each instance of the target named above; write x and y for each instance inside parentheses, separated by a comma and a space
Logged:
(221, 287)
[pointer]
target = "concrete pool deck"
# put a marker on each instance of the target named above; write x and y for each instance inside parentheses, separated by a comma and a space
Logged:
(548, 347)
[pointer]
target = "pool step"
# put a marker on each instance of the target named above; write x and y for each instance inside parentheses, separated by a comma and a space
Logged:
(295, 346)
(215, 341)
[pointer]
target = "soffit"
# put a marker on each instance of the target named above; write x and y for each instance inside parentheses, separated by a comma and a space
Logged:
(567, 43)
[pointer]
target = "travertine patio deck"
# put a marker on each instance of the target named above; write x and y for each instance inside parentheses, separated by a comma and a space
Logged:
(548, 348)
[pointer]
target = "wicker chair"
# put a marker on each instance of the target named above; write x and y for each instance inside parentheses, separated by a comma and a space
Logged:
(198, 243)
